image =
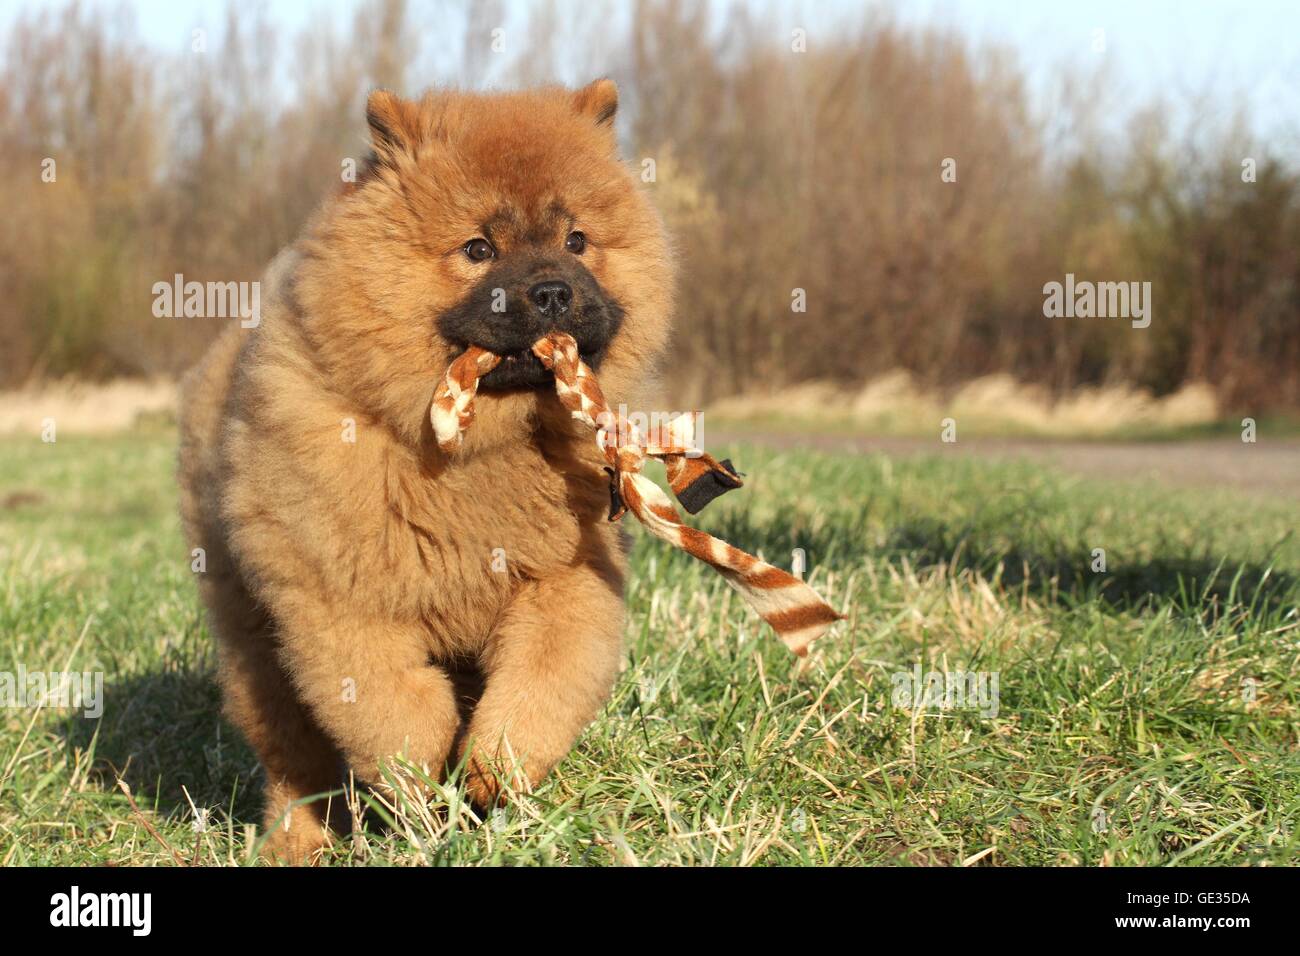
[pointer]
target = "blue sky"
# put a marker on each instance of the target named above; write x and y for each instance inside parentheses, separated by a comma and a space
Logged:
(1183, 49)
(1220, 52)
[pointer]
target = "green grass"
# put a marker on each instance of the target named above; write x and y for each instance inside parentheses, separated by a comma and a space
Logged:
(1123, 733)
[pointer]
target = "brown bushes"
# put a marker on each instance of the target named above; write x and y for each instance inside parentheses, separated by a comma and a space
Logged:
(818, 171)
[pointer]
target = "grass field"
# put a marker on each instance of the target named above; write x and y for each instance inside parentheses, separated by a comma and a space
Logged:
(1145, 715)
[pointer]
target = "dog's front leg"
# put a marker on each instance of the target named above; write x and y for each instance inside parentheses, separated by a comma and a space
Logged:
(549, 666)
(369, 684)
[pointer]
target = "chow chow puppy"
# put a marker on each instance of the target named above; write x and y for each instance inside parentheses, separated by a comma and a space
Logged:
(371, 595)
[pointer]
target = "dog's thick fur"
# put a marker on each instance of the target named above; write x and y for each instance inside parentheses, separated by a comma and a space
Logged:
(372, 596)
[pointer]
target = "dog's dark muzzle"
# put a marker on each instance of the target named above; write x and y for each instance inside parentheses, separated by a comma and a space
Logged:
(506, 314)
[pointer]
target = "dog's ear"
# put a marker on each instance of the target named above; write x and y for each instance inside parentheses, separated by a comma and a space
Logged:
(394, 125)
(598, 101)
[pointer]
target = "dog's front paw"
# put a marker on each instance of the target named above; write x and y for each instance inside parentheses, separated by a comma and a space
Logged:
(299, 843)
(492, 776)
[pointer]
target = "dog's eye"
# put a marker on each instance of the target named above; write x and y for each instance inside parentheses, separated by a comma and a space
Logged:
(479, 250)
(576, 243)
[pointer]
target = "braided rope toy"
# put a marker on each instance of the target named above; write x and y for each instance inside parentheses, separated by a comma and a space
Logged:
(794, 610)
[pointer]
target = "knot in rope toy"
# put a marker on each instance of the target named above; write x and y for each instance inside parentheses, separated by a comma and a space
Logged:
(794, 610)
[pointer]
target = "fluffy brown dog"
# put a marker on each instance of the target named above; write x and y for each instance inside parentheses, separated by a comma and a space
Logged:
(371, 595)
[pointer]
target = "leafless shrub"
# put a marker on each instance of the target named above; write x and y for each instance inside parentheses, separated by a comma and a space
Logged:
(779, 170)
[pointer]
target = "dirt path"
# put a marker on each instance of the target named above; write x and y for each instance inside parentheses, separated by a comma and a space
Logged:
(1270, 466)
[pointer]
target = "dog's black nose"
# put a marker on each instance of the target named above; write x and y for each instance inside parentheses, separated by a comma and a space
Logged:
(552, 298)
